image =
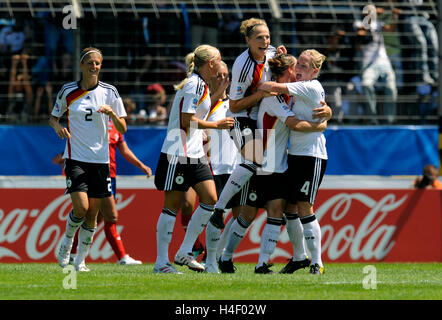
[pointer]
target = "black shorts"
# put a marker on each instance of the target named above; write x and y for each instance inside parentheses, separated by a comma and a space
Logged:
(305, 174)
(92, 178)
(244, 130)
(267, 187)
(235, 201)
(180, 173)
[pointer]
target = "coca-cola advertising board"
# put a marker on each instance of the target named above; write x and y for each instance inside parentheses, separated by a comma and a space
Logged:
(397, 225)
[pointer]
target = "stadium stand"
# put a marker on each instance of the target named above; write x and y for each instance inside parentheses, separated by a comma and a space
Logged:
(145, 42)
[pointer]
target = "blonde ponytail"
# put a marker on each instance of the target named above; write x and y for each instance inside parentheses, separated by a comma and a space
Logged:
(196, 59)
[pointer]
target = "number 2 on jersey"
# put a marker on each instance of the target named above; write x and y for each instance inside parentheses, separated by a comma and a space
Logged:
(88, 115)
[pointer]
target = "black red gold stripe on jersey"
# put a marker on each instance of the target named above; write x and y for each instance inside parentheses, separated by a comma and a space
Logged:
(269, 123)
(73, 96)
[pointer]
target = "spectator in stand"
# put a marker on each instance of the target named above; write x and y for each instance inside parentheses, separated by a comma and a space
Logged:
(156, 99)
(421, 36)
(428, 180)
(339, 69)
(41, 74)
(13, 40)
(376, 66)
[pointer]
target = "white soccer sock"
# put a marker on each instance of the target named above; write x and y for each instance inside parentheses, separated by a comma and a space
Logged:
(196, 225)
(312, 235)
(72, 225)
(238, 178)
(223, 239)
(213, 235)
(85, 237)
(269, 239)
(236, 234)
(165, 225)
(296, 236)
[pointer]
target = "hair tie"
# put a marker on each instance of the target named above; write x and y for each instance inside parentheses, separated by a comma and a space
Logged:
(82, 57)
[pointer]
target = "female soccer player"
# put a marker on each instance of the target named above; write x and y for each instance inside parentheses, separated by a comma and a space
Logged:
(182, 161)
(89, 103)
(108, 211)
(307, 158)
(275, 120)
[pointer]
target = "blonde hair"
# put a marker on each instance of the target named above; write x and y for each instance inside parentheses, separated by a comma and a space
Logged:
(90, 50)
(280, 63)
(196, 59)
(317, 58)
(248, 25)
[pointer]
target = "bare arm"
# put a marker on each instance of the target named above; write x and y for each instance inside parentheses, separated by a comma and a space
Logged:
(323, 112)
(246, 102)
(127, 154)
(188, 118)
(61, 131)
(271, 86)
(295, 124)
(119, 122)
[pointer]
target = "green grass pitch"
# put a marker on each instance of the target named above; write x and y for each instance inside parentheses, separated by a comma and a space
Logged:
(394, 281)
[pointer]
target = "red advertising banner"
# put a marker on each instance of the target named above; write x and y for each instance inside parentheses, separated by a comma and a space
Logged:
(397, 225)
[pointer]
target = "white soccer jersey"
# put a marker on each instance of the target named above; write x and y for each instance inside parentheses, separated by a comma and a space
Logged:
(273, 112)
(89, 140)
(194, 98)
(222, 152)
(308, 95)
(247, 74)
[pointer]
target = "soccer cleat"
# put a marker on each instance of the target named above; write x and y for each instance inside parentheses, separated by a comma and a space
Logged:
(226, 266)
(211, 268)
(188, 260)
(167, 268)
(82, 267)
(264, 269)
(292, 266)
(197, 251)
(64, 252)
(128, 261)
(316, 269)
(217, 218)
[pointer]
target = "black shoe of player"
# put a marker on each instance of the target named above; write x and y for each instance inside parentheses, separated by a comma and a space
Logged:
(217, 218)
(264, 269)
(292, 266)
(226, 266)
(316, 269)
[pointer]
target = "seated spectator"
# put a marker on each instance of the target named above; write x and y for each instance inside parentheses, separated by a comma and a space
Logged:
(428, 180)
(156, 98)
(133, 117)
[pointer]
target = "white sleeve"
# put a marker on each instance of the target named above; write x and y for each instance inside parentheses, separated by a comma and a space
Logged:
(305, 90)
(278, 107)
(60, 106)
(238, 87)
(116, 104)
(191, 98)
